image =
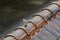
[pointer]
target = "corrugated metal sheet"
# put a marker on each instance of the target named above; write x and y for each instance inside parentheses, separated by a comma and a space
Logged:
(50, 31)
(39, 27)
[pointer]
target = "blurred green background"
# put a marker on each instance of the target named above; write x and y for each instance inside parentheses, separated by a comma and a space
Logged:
(13, 10)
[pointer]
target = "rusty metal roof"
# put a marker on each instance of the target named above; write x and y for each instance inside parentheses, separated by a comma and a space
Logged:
(44, 25)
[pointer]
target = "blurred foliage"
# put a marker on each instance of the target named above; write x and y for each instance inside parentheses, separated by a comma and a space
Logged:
(12, 10)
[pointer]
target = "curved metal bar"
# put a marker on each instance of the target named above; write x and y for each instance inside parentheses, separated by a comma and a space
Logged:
(28, 34)
(11, 36)
(49, 11)
(33, 24)
(55, 4)
(39, 16)
(45, 20)
(23, 30)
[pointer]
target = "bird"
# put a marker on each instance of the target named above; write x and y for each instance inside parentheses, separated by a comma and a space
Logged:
(25, 22)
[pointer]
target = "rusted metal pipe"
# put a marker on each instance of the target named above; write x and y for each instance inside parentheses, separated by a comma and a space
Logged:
(34, 24)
